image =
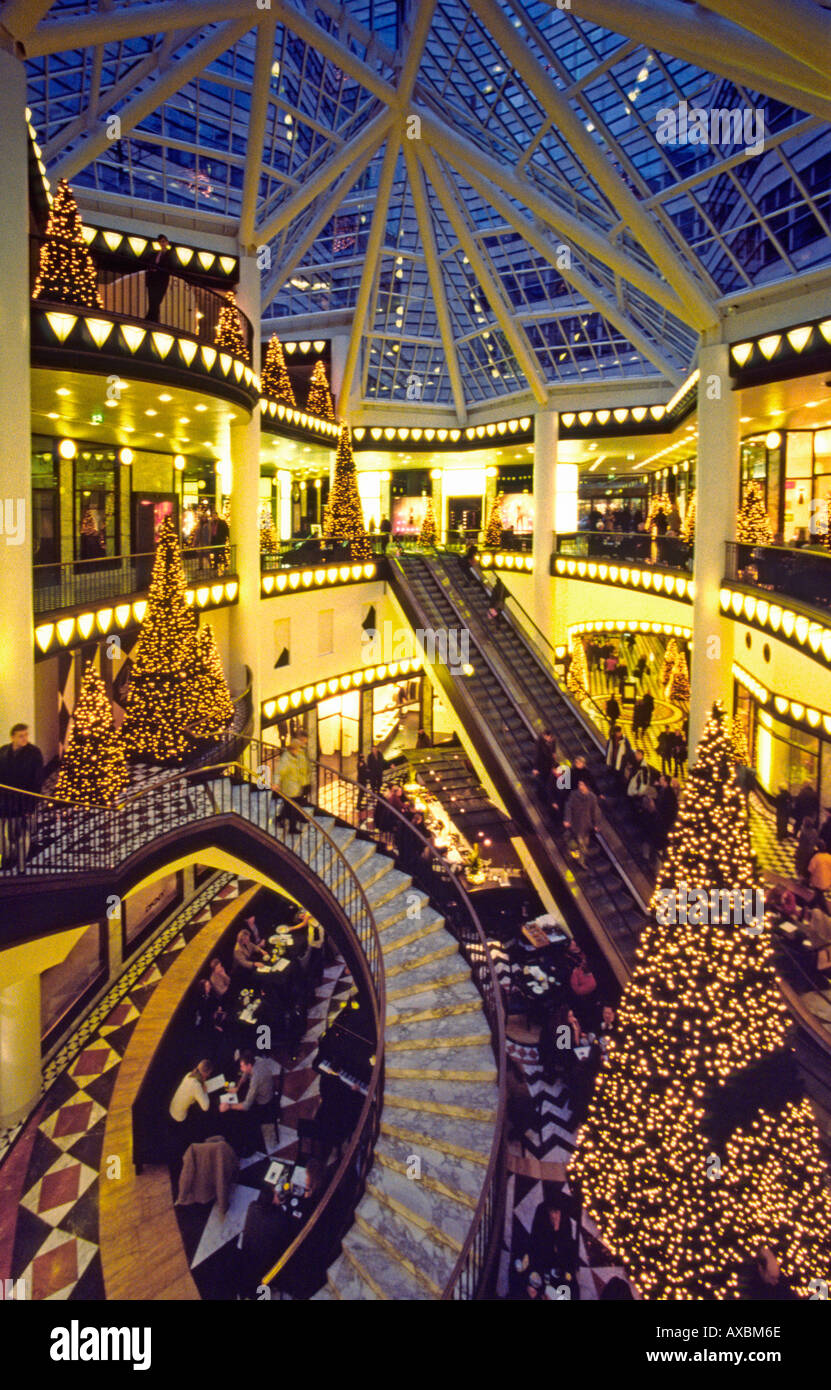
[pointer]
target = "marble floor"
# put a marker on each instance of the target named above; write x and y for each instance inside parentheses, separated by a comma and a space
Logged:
(49, 1175)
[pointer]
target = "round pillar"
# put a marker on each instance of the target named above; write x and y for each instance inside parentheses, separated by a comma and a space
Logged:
(717, 498)
(245, 637)
(546, 431)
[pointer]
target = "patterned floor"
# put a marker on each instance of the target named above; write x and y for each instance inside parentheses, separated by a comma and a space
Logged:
(539, 1173)
(210, 1240)
(49, 1179)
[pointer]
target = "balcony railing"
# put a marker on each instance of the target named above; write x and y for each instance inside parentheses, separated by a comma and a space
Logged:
(636, 547)
(800, 574)
(188, 306)
(88, 581)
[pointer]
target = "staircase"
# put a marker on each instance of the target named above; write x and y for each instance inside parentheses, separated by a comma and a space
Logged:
(440, 1096)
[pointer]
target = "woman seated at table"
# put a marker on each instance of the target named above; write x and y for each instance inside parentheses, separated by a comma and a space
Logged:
(219, 979)
(247, 955)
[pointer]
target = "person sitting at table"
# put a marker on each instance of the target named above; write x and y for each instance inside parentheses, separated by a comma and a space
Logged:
(188, 1123)
(606, 1028)
(247, 955)
(256, 1108)
(550, 1247)
(253, 930)
(581, 981)
(266, 1235)
(219, 979)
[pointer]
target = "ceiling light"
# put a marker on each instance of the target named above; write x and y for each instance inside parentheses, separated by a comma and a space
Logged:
(151, 412)
(201, 407)
(165, 397)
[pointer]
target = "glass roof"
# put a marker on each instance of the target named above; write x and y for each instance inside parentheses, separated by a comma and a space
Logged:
(554, 235)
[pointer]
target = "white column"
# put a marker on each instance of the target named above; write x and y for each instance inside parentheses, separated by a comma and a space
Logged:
(546, 430)
(340, 347)
(717, 497)
(20, 1059)
(245, 636)
(17, 686)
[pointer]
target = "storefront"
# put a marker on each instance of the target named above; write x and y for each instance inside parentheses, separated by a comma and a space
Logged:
(783, 752)
(793, 469)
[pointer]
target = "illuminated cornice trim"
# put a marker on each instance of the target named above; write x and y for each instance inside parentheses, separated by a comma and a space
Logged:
(647, 578)
(305, 696)
(279, 583)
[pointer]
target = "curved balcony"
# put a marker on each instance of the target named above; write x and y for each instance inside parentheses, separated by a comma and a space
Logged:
(633, 548)
(118, 338)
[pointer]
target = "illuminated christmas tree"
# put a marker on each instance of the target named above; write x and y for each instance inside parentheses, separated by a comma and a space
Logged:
(753, 523)
(66, 273)
(688, 528)
(161, 702)
(738, 741)
(228, 335)
(345, 519)
(493, 533)
(214, 706)
(319, 401)
(269, 544)
(577, 680)
(93, 768)
(670, 658)
(698, 1146)
(427, 534)
(678, 689)
(274, 378)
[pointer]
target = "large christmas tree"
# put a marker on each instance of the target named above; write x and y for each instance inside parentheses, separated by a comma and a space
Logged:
(345, 518)
(93, 768)
(698, 1146)
(162, 700)
(678, 689)
(493, 533)
(319, 401)
(66, 273)
(274, 378)
(214, 706)
(577, 680)
(427, 534)
(753, 523)
(228, 335)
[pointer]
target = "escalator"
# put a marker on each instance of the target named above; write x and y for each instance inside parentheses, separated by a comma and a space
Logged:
(502, 724)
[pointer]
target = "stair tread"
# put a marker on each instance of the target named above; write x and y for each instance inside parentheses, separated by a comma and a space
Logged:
(351, 1287)
(455, 1169)
(424, 1205)
(470, 1095)
(396, 1281)
(418, 1246)
(409, 1009)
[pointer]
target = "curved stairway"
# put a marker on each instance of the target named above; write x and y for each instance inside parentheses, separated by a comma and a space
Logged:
(440, 1097)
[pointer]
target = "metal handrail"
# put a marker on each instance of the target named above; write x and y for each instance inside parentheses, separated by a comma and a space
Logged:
(65, 584)
(353, 801)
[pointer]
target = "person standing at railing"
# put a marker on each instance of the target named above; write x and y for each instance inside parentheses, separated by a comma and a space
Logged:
(157, 277)
(21, 773)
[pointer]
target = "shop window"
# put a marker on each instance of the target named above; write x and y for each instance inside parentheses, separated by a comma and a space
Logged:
(798, 466)
(145, 910)
(65, 988)
(785, 756)
(339, 732)
(46, 531)
(395, 716)
(97, 519)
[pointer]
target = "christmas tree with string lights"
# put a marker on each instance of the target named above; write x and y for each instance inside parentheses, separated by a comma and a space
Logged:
(93, 769)
(319, 401)
(699, 1146)
(228, 335)
(427, 534)
(678, 689)
(753, 523)
(659, 506)
(738, 741)
(493, 533)
(577, 680)
(345, 518)
(66, 274)
(162, 700)
(214, 706)
(688, 528)
(274, 378)
(670, 658)
(269, 545)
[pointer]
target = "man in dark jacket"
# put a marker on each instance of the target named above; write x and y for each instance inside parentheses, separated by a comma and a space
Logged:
(375, 765)
(266, 1235)
(21, 772)
(156, 279)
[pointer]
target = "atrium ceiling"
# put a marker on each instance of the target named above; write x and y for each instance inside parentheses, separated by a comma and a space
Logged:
(484, 191)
